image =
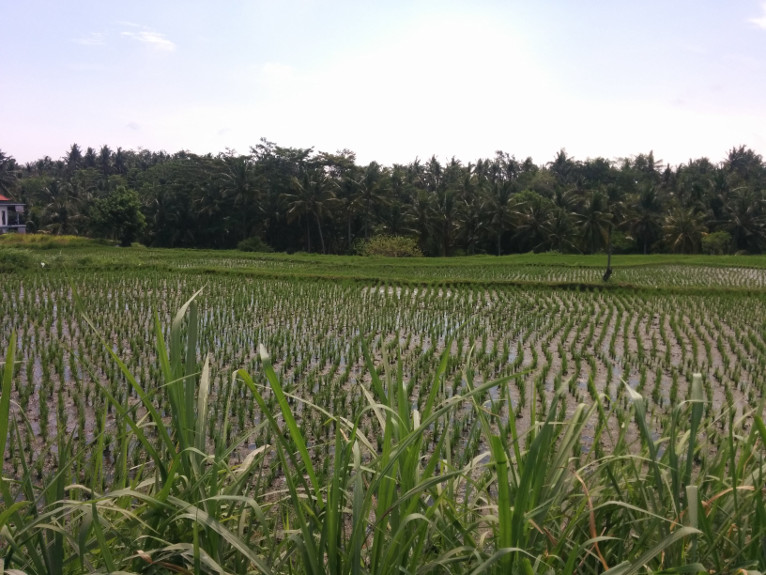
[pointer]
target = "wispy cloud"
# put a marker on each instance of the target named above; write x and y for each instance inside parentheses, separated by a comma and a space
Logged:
(93, 39)
(761, 20)
(152, 39)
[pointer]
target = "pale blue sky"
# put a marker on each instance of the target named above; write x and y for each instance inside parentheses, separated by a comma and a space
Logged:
(391, 80)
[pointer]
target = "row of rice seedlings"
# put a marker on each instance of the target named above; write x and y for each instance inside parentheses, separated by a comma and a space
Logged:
(530, 269)
(693, 276)
(397, 497)
(649, 275)
(590, 340)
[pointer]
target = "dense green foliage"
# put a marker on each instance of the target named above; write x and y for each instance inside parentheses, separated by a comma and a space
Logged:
(389, 246)
(464, 415)
(300, 200)
(118, 216)
(254, 244)
(13, 260)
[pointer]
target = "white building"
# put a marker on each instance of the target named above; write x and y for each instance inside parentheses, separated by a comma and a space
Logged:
(11, 216)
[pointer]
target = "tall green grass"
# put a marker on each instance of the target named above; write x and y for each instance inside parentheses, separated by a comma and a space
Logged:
(609, 486)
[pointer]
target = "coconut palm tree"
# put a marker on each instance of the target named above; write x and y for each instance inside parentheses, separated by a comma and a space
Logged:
(745, 219)
(643, 220)
(683, 229)
(120, 161)
(239, 187)
(398, 215)
(73, 159)
(559, 230)
(744, 167)
(8, 173)
(497, 183)
(498, 197)
(372, 193)
(420, 209)
(89, 159)
(531, 214)
(443, 185)
(105, 161)
(594, 221)
(565, 170)
(62, 214)
(312, 197)
(695, 183)
(349, 202)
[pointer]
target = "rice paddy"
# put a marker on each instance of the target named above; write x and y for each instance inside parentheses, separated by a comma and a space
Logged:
(509, 359)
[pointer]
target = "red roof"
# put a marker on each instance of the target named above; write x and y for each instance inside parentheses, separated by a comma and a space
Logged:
(4, 199)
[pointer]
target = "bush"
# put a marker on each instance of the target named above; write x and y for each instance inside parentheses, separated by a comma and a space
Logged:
(15, 259)
(390, 246)
(118, 216)
(717, 244)
(46, 241)
(622, 244)
(254, 244)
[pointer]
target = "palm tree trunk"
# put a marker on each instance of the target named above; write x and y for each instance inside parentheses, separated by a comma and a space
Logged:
(608, 272)
(348, 231)
(321, 237)
(367, 220)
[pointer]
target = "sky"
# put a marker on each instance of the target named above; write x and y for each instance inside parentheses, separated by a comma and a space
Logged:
(390, 80)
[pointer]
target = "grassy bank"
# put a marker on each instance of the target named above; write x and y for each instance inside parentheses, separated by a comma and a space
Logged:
(629, 271)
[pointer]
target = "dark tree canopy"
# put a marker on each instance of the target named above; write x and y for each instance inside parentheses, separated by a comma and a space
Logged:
(295, 199)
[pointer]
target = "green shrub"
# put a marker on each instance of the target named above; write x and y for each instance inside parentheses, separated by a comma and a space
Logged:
(254, 244)
(15, 259)
(717, 244)
(118, 216)
(390, 246)
(46, 241)
(621, 243)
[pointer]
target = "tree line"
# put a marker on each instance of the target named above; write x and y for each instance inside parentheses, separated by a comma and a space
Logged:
(298, 199)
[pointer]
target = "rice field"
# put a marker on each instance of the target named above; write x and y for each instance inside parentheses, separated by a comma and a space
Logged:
(509, 352)
(734, 273)
(588, 341)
